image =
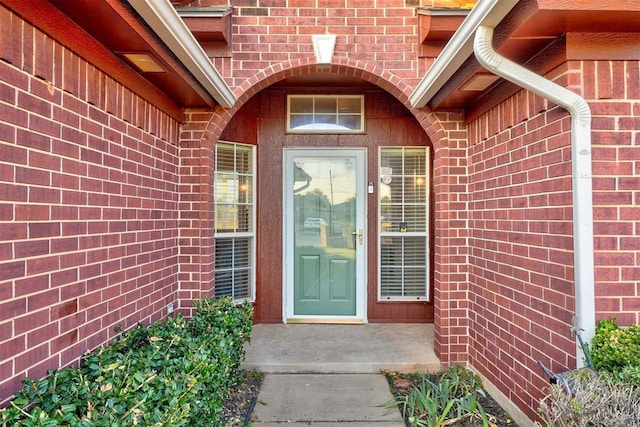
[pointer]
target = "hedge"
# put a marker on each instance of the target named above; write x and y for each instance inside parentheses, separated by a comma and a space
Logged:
(171, 373)
(617, 350)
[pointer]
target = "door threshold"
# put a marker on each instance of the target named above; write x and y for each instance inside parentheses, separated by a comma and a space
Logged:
(327, 320)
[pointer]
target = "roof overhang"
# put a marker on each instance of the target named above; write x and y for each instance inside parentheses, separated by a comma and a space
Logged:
(163, 19)
(143, 44)
(459, 49)
(524, 29)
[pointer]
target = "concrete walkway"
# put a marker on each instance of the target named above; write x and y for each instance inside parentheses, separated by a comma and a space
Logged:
(325, 399)
(329, 375)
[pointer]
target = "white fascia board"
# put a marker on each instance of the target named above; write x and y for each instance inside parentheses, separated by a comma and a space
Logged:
(163, 19)
(459, 48)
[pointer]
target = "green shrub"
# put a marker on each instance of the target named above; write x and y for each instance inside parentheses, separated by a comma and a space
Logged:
(230, 323)
(172, 373)
(630, 375)
(616, 350)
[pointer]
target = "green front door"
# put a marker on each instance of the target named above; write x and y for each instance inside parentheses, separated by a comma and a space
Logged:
(325, 233)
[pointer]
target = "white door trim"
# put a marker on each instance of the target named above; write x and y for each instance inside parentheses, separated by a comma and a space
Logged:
(288, 238)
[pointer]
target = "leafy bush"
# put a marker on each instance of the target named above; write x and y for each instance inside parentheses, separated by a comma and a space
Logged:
(595, 401)
(453, 398)
(630, 375)
(172, 373)
(617, 350)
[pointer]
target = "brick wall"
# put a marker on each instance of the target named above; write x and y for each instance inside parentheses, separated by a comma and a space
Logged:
(521, 283)
(520, 245)
(104, 220)
(196, 183)
(268, 33)
(88, 206)
(613, 91)
(451, 323)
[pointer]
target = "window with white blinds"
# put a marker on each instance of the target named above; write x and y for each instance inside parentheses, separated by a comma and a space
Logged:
(234, 210)
(403, 212)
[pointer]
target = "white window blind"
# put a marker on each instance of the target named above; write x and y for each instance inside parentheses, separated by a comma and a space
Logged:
(403, 208)
(234, 210)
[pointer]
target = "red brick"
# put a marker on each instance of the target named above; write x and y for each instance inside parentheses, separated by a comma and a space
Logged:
(45, 126)
(12, 270)
(44, 229)
(266, 3)
(40, 335)
(31, 248)
(10, 31)
(633, 79)
(34, 104)
(41, 369)
(64, 341)
(12, 347)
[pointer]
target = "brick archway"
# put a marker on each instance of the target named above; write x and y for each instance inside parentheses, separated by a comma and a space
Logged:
(438, 128)
(386, 80)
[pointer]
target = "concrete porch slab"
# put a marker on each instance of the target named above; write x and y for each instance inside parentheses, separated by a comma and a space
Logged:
(353, 349)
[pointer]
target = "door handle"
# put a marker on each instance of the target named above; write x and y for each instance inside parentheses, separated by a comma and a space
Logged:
(360, 234)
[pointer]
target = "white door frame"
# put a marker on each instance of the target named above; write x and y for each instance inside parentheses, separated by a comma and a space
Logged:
(288, 238)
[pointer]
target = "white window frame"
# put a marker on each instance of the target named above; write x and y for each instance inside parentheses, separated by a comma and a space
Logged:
(384, 178)
(250, 235)
(316, 127)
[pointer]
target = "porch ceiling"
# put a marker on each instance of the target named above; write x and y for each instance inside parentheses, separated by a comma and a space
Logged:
(529, 35)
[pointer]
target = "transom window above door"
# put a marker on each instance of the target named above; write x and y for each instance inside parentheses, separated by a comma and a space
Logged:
(325, 113)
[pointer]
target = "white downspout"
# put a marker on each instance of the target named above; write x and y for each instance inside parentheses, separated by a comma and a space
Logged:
(581, 175)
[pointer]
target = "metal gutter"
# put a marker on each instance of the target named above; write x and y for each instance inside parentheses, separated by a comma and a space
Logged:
(459, 48)
(163, 19)
(442, 11)
(581, 170)
(204, 12)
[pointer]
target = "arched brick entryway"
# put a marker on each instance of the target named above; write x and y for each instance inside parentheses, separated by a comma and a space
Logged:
(444, 131)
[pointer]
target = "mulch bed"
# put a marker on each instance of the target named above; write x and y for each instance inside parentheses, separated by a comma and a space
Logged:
(241, 399)
(400, 385)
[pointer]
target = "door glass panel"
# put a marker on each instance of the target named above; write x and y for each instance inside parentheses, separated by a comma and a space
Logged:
(324, 222)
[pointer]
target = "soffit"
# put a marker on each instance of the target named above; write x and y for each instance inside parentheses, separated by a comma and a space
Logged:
(120, 30)
(530, 35)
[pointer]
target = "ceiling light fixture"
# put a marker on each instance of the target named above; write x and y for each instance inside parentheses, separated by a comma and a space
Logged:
(143, 61)
(479, 82)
